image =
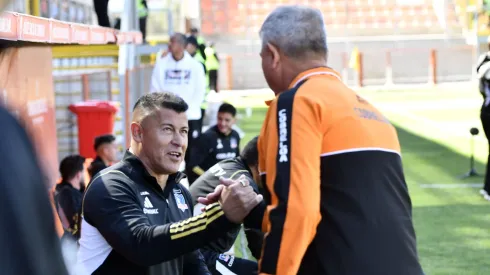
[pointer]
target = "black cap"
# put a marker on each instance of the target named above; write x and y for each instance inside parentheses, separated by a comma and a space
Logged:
(104, 139)
(192, 40)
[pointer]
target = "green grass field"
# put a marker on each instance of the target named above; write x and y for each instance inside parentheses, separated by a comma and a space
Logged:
(452, 221)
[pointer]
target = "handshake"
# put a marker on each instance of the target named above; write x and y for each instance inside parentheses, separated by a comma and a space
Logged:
(237, 198)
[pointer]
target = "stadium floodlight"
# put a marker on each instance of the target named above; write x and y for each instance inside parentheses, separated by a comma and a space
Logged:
(472, 172)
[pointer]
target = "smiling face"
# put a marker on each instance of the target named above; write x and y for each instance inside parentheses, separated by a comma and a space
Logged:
(225, 122)
(162, 137)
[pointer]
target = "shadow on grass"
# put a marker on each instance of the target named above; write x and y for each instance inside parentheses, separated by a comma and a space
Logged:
(451, 224)
(426, 161)
(453, 239)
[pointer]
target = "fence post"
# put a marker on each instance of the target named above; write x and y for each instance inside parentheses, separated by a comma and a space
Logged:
(345, 70)
(360, 71)
(109, 85)
(126, 109)
(229, 64)
(389, 69)
(85, 88)
(432, 67)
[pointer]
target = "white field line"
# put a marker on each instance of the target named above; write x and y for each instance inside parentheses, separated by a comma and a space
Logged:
(451, 185)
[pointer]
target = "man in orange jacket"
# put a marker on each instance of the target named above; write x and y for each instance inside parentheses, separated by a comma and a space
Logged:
(337, 198)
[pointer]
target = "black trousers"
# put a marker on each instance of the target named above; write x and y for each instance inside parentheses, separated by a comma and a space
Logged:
(485, 121)
(213, 80)
(102, 11)
(195, 130)
(227, 263)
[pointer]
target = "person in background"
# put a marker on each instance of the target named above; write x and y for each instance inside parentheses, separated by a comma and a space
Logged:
(101, 8)
(212, 64)
(483, 75)
(200, 41)
(28, 241)
(68, 196)
(192, 48)
(218, 143)
(181, 74)
(142, 10)
(106, 149)
(246, 165)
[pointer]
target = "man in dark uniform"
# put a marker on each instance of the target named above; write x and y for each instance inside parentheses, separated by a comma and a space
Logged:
(218, 143)
(483, 73)
(243, 166)
(106, 150)
(136, 216)
(29, 244)
(68, 195)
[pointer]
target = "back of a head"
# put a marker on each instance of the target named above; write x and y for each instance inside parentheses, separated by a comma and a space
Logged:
(102, 140)
(148, 103)
(250, 153)
(192, 41)
(70, 166)
(179, 38)
(298, 31)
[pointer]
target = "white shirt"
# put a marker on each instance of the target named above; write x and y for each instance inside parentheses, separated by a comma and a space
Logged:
(184, 78)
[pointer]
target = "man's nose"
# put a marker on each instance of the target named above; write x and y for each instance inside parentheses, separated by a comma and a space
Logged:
(179, 140)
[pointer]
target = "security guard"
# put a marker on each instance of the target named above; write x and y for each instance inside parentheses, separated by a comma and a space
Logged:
(212, 64)
(244, 165)
(218, 143)
(137, 217)
(193, 49)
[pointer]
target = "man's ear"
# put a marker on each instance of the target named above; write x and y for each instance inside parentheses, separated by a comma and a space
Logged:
(275, 55)
(136, 132)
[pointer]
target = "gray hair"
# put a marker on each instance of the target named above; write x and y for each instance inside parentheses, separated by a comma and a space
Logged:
(180, 38)
(296, 30)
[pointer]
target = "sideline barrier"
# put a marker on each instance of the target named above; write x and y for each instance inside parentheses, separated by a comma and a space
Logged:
(377, 66)
(21, 27)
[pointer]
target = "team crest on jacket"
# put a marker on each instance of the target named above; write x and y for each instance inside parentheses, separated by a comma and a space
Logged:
(179, 198)
(233, 143)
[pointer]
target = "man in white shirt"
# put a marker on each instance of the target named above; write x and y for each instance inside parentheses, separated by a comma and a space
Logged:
(181, 74)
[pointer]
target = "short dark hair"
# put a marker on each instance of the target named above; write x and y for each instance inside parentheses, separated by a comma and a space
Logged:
(180, 38)
(70, 166)
(192, 40)
(103, 139)
(166, 100)
(227, 108)
(194, 29)
(250, 153)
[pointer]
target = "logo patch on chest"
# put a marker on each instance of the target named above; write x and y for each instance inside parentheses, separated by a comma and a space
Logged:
(233, 143)
(180, 200)
(148, 207)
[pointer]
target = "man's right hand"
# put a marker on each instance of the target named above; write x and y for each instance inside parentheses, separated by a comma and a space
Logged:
(238, 198)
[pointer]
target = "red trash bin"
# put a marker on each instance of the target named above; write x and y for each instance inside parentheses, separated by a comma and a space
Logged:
(95, 118)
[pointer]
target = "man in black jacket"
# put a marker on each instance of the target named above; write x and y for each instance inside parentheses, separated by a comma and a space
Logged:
(138, 218)
(218, 143)
(244, 166)
(28, 240)
(106, 148)
(68, 197)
